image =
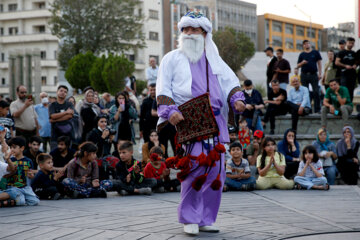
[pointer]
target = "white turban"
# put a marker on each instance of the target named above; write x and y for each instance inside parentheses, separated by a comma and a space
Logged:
(196, 19)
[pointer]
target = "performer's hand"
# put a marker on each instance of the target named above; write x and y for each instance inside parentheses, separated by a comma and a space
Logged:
(239, 106)
(176, 118)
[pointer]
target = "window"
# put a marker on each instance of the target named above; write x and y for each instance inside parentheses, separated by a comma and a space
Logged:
(300, 31)
(43, 54)
(276, 41)
(289, 43)
(13, 30)
(299, 45)
(131, 57)
(3, 81)
(55, 80)
(39, 5)
(311, 33)
(43, 80)
(289, 28)
(1, 8)
(154, 36)
(276, 26)
(139, 11)
(153, 14)
(154, 56)
(3, 57)
(12, 7)
(55, 54)
(1, 31)
(39, 29)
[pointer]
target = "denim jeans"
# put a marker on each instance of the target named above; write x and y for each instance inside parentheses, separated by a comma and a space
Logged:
(330, 174)
(23, 196)
(234, 184)
(258, 125)
(283, 86)
(308, 182)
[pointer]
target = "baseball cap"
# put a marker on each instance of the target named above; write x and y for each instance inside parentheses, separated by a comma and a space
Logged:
(269, 49)
(342, 41)
(231, 129)
(258, 133)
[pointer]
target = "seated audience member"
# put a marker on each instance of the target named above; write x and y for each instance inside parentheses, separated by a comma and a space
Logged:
(233, 137)
(6, 167)
(238, 174)
(33, 151)
(154, 142)
(254, 104)
(298, 102)
(130, 178)
(244, 133)
(290, 148)
(46, 183)
(157, 169)
(327, 154)
(276, 104)
(336, 101)
(6, 121)
(116, 152)
(83, 174)
(311, 172)
(101, 136)
(63, 154)
(254, 150)
(296, 75)
(18, 185)
(348, 162)
(271, 167)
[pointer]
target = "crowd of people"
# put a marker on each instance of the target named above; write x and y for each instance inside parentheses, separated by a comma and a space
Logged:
(63, 148)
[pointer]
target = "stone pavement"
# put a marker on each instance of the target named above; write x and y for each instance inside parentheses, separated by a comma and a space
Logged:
(271, 214)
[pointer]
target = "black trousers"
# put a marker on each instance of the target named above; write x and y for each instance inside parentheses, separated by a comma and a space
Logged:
(293, 109)
(348, 171)
(167, 133)
(130, 187)
(291, 169)
(168, 184)
(312, 78)
(349, 81)
(49, 192)
(272, 111)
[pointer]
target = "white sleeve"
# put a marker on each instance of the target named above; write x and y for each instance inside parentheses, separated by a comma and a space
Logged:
(164, 79)
(3, 169)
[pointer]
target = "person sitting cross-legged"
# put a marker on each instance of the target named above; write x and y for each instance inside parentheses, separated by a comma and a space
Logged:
(336, 101)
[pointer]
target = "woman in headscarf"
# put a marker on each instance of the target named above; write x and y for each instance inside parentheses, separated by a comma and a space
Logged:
(290, 148)
(348, 164)
(327, 154)
(89, 112)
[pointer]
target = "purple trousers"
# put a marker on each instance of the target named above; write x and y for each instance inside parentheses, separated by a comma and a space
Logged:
(201, 207)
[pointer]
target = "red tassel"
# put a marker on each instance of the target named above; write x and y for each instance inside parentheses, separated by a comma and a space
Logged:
(216, 184)
(220, 148)
(171, 162)
(183, 162)
(199, 181)
(213, 156)
(202, 160)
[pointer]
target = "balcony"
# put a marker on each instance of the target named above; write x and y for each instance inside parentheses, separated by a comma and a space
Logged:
(28, 38)
(28, 14)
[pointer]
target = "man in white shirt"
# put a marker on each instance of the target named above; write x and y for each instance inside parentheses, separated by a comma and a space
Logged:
(152, 71)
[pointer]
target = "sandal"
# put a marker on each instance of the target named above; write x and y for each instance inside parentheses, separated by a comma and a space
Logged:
(297, 186)
(7, 203)
(327, 187)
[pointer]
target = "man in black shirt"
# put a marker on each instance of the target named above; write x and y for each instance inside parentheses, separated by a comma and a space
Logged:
(147, 120)
(281, 69)
(310, 63)
(254, 104)
(277, 105)
(346, 61)
(33, 150)
(270, 67)
(63, 154)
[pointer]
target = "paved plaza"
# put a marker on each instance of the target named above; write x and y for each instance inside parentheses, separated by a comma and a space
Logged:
(271, 214)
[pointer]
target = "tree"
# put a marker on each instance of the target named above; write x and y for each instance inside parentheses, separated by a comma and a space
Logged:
(235, 48)
(96, 26)
(96, 79)
(116, 69)
(77, 73)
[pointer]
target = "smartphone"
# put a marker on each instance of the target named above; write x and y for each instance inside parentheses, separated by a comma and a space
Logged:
(29, 96)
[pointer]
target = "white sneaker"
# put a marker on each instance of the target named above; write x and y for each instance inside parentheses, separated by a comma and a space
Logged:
(192, 229)
(212, 229)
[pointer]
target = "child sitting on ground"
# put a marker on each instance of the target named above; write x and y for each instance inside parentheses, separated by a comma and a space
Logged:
(5, 121)
(18, 186)
(156, 169)
(6, 167)
(130, 179)
(244, 133)
(83, 174)
(311, 172)
(46, 184)
(238, 175)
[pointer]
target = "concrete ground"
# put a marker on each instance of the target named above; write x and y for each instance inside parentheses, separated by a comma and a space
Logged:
(271, 214)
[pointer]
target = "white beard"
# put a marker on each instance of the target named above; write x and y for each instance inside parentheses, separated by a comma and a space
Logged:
(192, 46)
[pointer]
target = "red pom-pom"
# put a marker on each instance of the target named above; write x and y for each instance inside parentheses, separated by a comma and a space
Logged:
(154, 157)
(183, 162)
(183, 174)
(216, 184)
(202, 160)
(171, 162)
(220, 148)
(199, 181)
(213, 156)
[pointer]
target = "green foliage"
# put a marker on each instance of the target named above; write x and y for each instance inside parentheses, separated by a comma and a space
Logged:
(261, 88)
(116, 69)
(96, 26)
(140, 86)
(235, 48)
(77, 73)
(96, 79)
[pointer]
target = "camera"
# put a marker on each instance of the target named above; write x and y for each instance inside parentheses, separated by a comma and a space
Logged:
(111, 131)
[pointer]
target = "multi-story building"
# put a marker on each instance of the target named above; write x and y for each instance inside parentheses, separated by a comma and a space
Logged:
(287, 33)
(332, 36)
(238, 15)
(24, 29)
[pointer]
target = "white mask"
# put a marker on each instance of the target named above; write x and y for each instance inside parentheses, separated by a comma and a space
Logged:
(192, 46)
(249, 91)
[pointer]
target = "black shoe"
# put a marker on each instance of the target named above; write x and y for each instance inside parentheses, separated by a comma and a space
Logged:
(57, 196)
(103, 193)
(272, 132)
